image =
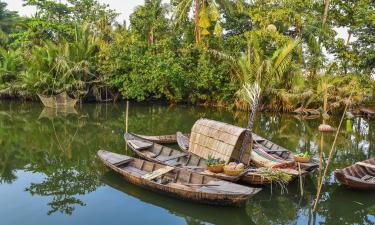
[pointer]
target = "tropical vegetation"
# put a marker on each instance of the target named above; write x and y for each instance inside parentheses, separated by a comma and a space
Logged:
(193, 51)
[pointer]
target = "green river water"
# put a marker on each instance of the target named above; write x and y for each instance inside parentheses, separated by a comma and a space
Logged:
(49, 172)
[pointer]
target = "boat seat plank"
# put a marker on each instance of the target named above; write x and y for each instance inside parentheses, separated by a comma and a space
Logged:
(149, 154)
(125, 161)
(172, 157)
(135, 171)
(157, 173)
(366, 165)
(178, 164)
(219, 186)
(139, 145)
(116, 159)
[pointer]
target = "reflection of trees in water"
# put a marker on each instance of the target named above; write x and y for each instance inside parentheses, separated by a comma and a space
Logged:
(56, 147)
(63, 185)
(345, 206)
(31, 144)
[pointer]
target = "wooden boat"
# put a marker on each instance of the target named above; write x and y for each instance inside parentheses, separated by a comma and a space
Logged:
(281, 153)
(200, 212)
(360, 175)
(177, 182)
(273, 151)
(367, 111)
(162, 139)
(168, 156)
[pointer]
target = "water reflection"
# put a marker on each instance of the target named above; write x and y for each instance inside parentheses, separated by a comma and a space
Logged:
(62, 145)
(51, 113)
(193, 213)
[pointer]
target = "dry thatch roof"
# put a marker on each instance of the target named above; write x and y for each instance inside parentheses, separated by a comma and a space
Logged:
(217, 139)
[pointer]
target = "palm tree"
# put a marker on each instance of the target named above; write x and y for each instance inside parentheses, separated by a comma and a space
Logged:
(7, 20)
(150, 18)
(204, 12)
(266, 71)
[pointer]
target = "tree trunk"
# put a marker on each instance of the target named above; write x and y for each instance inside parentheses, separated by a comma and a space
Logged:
(249, 130)
(325, 15)
(151, 37)
(197, 30)
(349, 36)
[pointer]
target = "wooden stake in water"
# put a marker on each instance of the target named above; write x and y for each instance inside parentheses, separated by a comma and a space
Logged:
(300, 179)
(321, 183)
(126, 116)
(126, 123)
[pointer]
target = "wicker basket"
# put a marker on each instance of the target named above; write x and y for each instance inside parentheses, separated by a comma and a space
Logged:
(230, 172)
(301, 159)
(218, 168)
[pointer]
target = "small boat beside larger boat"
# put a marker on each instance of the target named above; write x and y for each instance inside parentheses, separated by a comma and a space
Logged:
(360, 175)
(168, 156)
(264, 152)
(177, 182)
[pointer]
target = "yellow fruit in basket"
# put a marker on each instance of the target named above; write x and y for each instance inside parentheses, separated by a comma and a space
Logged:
(240, 166)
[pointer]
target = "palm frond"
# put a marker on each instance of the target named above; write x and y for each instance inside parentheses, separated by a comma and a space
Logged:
(182, 11)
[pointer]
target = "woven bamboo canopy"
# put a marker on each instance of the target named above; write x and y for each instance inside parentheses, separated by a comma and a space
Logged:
(217, 139)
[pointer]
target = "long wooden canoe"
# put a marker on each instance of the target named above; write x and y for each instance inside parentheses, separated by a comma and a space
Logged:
(177, 182)
(360, 175)
(272, 153)
(162, 139)
(168, 156)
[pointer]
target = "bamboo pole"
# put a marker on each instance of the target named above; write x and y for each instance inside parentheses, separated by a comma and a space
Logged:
(333, 147)
(126, 116)
(300, 179)
(126, 124)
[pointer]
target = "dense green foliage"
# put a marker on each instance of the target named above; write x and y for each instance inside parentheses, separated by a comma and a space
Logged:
(290, 47)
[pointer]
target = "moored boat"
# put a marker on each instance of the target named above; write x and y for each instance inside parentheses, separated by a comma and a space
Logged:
(360, 175)
(265, 153)
(168, 156)
(177, 182)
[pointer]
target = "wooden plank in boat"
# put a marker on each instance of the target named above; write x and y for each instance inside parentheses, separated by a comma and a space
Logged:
(200, 185)
(149, 154)
(157, 173)
(115, 159)
(225, 187)
(194, 167)
(172, 157)
(125, 161)
(366, 165)
(139, 145)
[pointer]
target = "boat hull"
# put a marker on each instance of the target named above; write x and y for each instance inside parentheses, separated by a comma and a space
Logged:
(358, 176)
(194, 196)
